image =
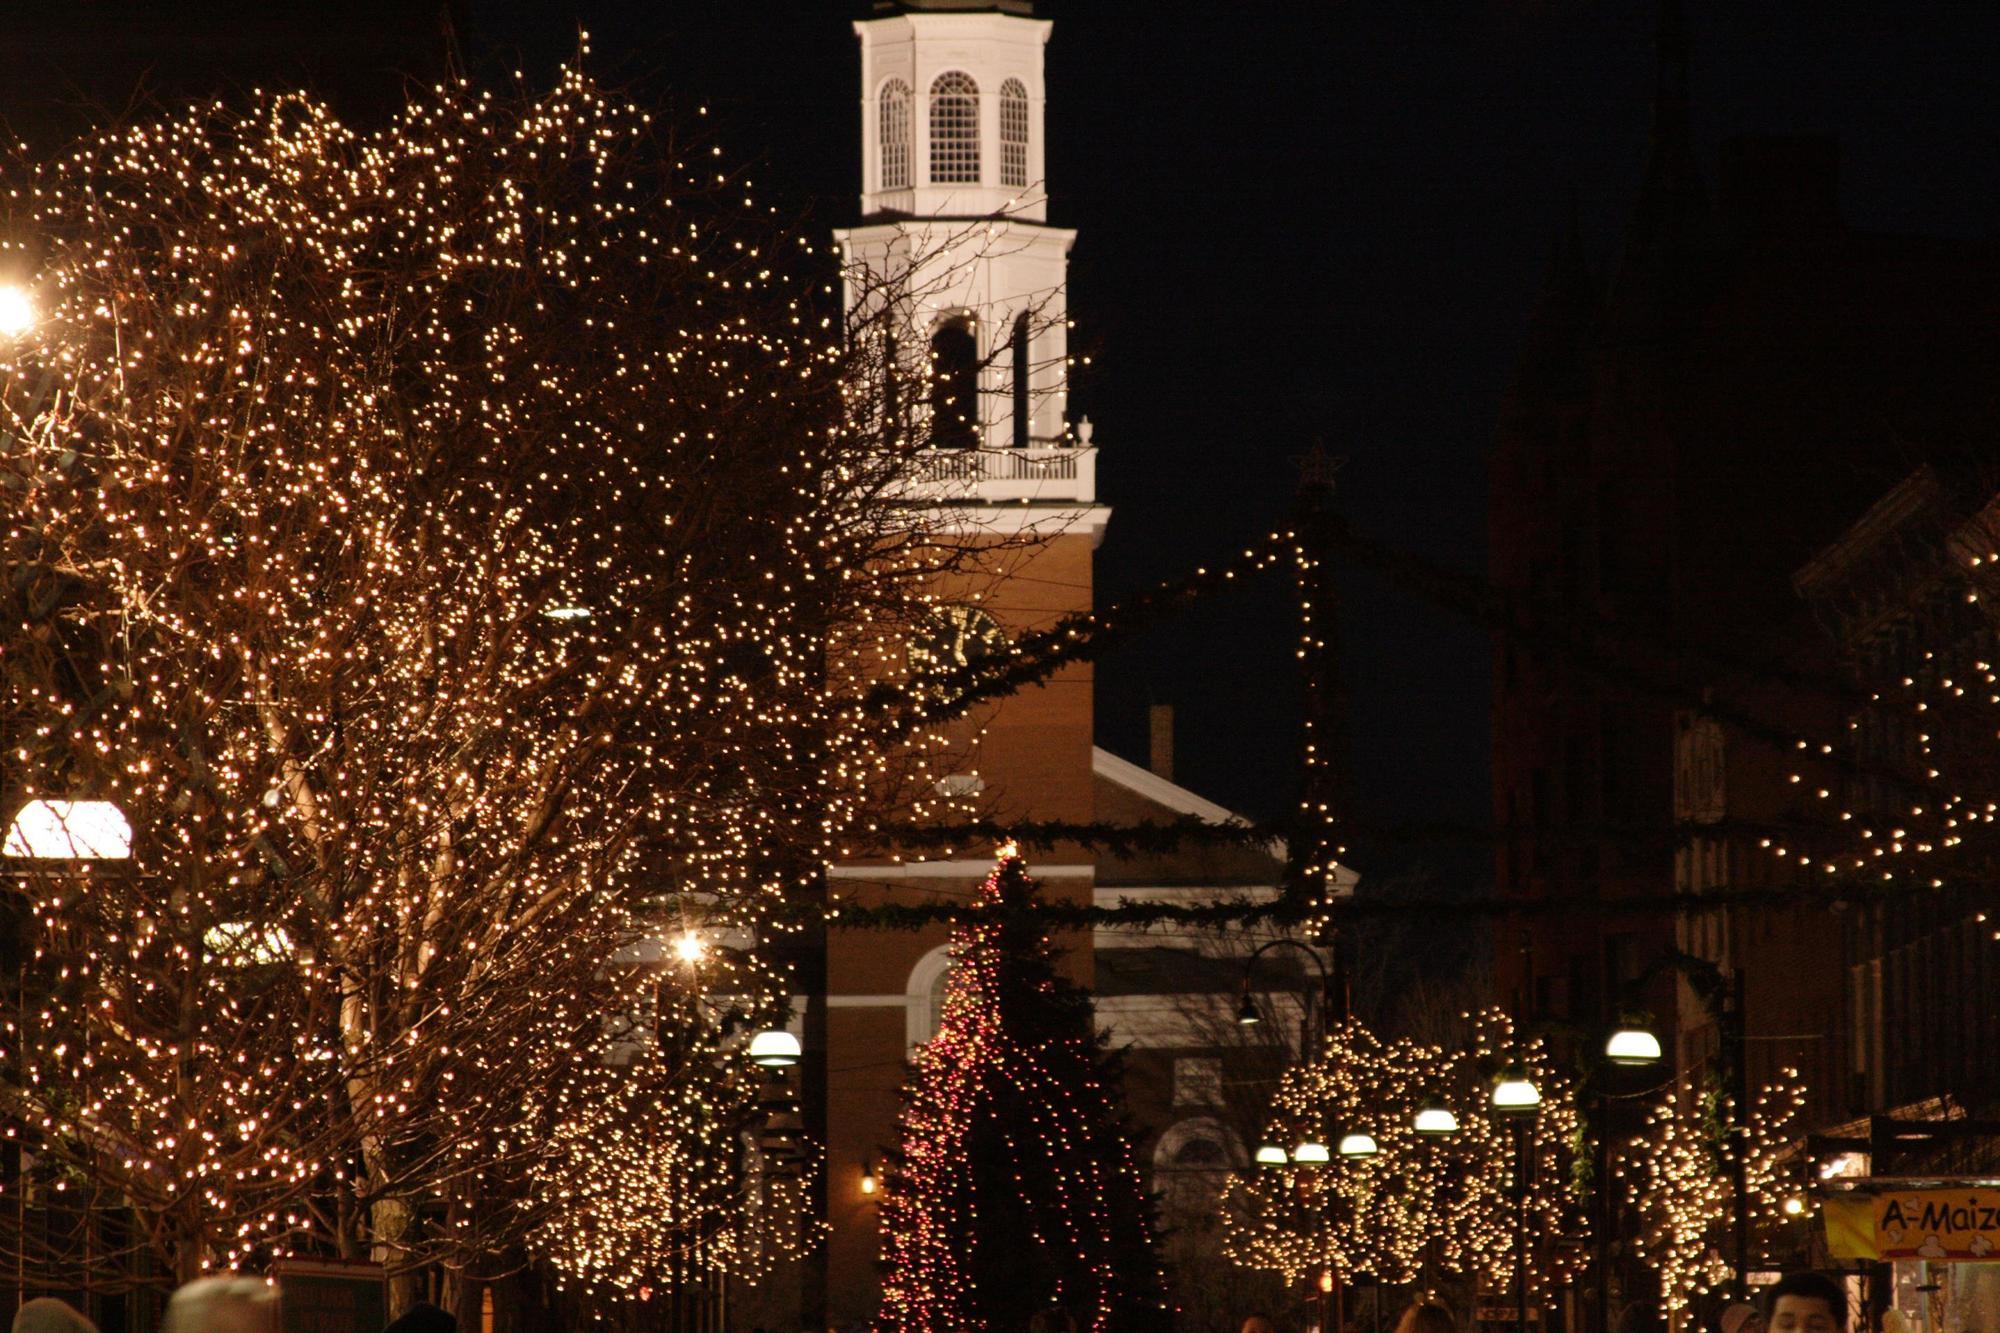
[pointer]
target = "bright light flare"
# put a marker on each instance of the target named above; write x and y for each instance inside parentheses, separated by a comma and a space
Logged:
(17, 310)
(689, 947)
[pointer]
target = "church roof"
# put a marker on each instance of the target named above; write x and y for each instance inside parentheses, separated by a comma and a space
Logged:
(1025, 8)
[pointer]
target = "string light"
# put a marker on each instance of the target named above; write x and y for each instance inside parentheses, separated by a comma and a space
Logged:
(1450, 1195)
(1676, 1177)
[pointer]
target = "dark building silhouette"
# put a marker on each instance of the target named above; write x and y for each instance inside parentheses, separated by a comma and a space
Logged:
(1683, 435)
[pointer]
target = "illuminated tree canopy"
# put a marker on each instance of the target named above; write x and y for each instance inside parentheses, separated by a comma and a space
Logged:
(1446, 1200)
(461, 551)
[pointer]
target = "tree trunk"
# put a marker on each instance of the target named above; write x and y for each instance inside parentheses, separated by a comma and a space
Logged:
(392, 1224)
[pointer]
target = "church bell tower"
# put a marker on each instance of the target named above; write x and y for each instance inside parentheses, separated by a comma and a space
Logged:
(954, 230)
(955, 213)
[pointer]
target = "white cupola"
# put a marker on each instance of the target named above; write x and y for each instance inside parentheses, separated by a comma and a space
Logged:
(951, 110)
(954, 203)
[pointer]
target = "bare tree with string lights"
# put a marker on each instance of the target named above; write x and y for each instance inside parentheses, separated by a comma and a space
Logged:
(467, 554)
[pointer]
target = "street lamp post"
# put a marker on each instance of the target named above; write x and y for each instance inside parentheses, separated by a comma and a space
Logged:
(1516, 1098)
(57, 832)
(1248, 1015)
(1433, 1121)
(1723, 997)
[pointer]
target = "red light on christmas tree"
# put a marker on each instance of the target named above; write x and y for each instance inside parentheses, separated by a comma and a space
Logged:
(1014, 1190)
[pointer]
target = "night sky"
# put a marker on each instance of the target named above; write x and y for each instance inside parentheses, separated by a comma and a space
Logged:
(1298, 222)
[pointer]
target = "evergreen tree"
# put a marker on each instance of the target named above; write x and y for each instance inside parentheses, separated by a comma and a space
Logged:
(1014, 1190)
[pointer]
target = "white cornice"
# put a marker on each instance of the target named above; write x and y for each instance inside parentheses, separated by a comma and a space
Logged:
(961, 869)
(1013, 520)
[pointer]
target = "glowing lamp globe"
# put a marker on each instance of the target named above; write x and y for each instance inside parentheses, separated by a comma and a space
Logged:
(1311, 1153)
(1357, 1144)
(69, 831)
(1794, 1206)
(17, 310)
(1516, 1094)
(1434, 1117)
(1270, 1154)
(1632, 1046)
(774, 1049)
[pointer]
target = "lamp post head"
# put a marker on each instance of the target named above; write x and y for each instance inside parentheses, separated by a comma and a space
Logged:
(1434, 1117)
(1311, 1152)
(1515, 1094)
(1246, 1011)
(69, 831)
(1354, 1143)
(1270, 1154)
(774, 1048)
(1632, 1045)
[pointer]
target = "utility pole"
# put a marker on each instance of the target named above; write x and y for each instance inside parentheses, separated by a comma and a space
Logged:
(1737, 1054)
(1315, 850)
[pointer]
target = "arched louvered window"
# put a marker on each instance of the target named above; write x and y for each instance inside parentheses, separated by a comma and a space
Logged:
(1013, 133)
(955, 385)
(954, 129)
(1023, 373)
(895, 132)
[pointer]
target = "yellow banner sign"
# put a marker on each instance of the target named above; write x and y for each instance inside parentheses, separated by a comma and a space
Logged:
(1942, 1225)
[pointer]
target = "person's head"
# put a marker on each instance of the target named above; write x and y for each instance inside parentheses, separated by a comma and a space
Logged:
(1806, 1303)
(1257, 1323)
(45, 1314)
(1641, 1317)
(1738, 1317)
(423, 1317)
(223, 1305)
(1426, 1317)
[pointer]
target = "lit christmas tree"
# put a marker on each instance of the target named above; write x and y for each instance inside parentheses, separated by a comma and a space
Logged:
(1015, 1189)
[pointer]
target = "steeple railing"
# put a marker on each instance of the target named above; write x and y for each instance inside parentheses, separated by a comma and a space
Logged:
(1042, 473)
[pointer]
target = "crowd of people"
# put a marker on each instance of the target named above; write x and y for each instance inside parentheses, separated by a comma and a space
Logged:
(215, 1305)
(1799, 1303)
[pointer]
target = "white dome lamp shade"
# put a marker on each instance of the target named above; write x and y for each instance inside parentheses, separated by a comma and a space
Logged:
(1270, 1154)
(775, 1048)
(1434, 1117)
(69, 831)
(1632, 1045)
(1311, 1152)
(1355, 1143)
(1515, 1094)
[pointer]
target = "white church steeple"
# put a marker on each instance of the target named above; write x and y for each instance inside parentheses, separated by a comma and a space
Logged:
(955, 209)
(952, 103)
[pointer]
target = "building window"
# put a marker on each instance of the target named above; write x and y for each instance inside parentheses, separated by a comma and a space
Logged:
(923, 995)
(1023, 408)
(1013, 133)
(954, 129)
(1198, 1081)
(955, 385)
(1191, 1165)
(895, 130)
